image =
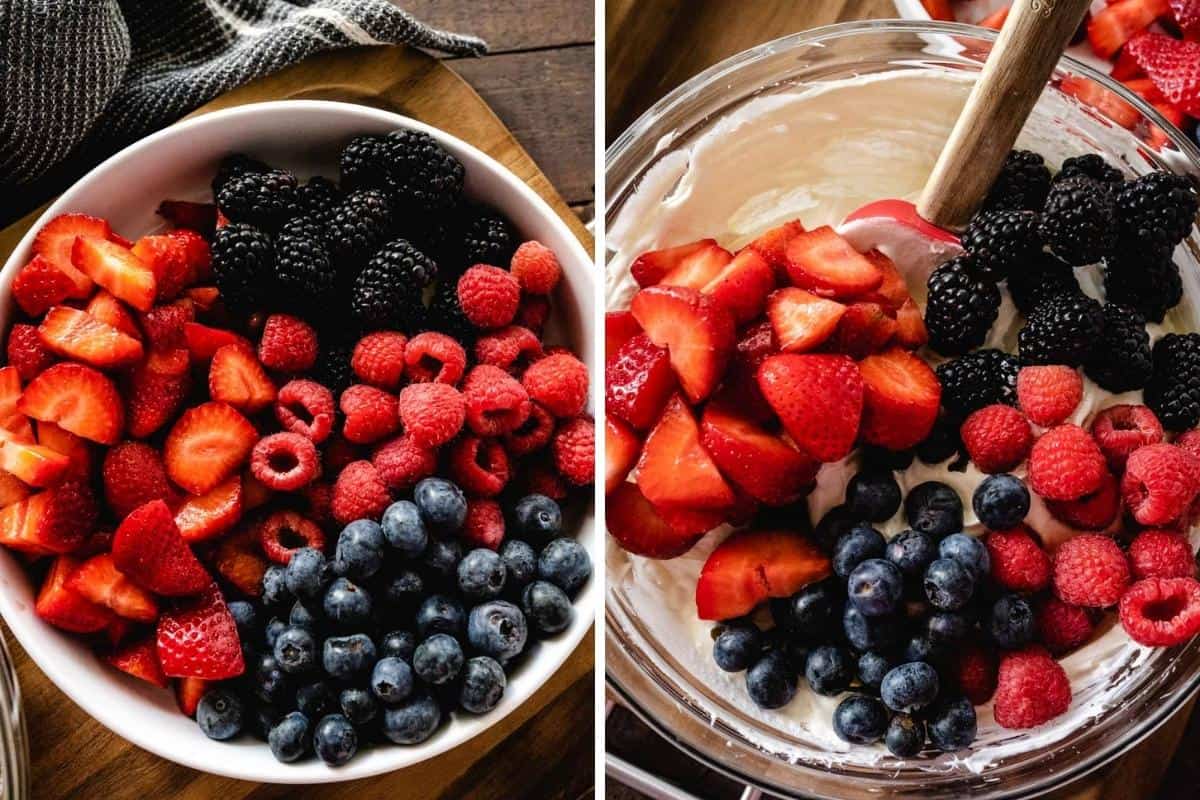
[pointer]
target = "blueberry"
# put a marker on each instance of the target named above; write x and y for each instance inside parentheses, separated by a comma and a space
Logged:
(911, 551)
(441, 557)
(315, 700)
(296, 650)
(836, 523)
(872, 666)
(482, 686)
(566, 564)
(737, 647)
(1011, 623)
(346, 656)
(860, 719)
(1001, 502)
(413, 721)
(263, 717)
(811, 612)
(829, 670)
(771, 681)
(302, 617)
(307, 573)
(856, 546)
(868, 633)
(245, 617)
(289, 738)
(274, 587)
(875, 587)
(440, 614)
(934, 508)
(398, 644)
(909, 687)
(537, 518)
(443, 506)
(359, 553)
(391, 680)
(968, 551)
(404, 591)
(794, 648)
(948, 584)
(438, 659)
(520, 563)
(347, 604)
(498, 629)
(481, 575)
(952, 724)
(404, 529)
(334, 740)
(905, 736)
(271, 632)
(946, 626)
(271, 684)
(219, 714)
(547, 608)
(920, 647)
(357, 705)
(873, 495)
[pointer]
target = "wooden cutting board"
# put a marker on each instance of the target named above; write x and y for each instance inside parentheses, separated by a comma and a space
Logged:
(73, 756)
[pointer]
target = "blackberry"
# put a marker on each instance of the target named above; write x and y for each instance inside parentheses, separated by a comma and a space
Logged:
(303, 269)
(302, 226)
(942, 442)
(1173, 393)
(1022, 183)
(420, 173)
(960, 308)
(243, 262)
(359, 225)
(391, 282)
(363, 162)
(232, 166)
(1121, 360)
(1062, 330)
(1156, 211)
(263, 199)
(1042, 278)
(446, 314)
(1001, 241)
(978, 379)
(318, 198)
(1146, 281)
(488, 239)
(1091, 166)
(1079, 221)
(332, 369)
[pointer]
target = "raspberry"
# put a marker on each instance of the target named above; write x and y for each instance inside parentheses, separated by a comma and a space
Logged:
(378, 359)
(533, 312)
(27, 353)
(496, 402)
(1161, 612)
(305, 407)
(533, 435)
(1159, 484)
(1019, 563)
(479, 466)
(1090, 570)
(1066, 464)
(541, 478)
(288, 344)
(1157, 553)
(1048, 395)
(284, 462)
(997, 438)
(370, 414)
(433, 356)
(559, 382)
(339, 453)
(574, 449)
(511, 349)
(402, 463)
(359, 493)
(431, 413)
(1187, 442)
(1119, 430)
(975, 671)
(1062, 627)
(489, 296)
(319, 495)
(285, 532)
(133, 474)
(1031, 689)
(536, 268)
(1092, 512)
(484, 525)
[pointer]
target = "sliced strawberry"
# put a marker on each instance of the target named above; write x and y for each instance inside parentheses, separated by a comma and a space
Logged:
(819, 400)
(197, 255)
(35, 464)
(751, 566)
(140, 659)
(211, 514)
(1092, 94)
(801, 320)
(200, 640)
(203, 342)
(156, 391)
(939, 10)
(199, 217)
(148, 549)
(204, 297)
(236, 377)
(675, 470)
(240, 561)
(864, 329)
(77, 335)
(12, 490)
(773, 244)
(826, 264)
(116, 269)
(164, 324)
(99, 580)
(762, 465)
(1173, 65)
(77, 451)
(621, 448)
(892, 292)
(166, 257)
(651, 267)
(640, 529)
(11, 419)
(740, 388)
(207, 444)
(742, 285)
(697, 332)
(996, 19)
(65, 608)
(40, 285)
(188, 692)
(697, 269)
(56, 240)
(78, 399)
(1112, 27)
(111, 311)
(910, 326)
(56, 520)
(619, 328)
(901, 399)
(638, 382)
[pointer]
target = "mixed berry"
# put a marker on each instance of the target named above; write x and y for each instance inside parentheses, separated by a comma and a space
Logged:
(303, 456)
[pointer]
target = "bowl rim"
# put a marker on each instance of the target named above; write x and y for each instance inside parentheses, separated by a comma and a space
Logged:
(578, 266)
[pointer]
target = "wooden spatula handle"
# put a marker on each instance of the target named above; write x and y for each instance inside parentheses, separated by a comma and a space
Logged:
(1020, 63)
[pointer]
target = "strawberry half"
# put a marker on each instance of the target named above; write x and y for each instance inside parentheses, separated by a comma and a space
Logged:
(742, 285)
(147, 547)
(651, 267)
(163, 324)
(751, 566)
(40, 285)
(116, 269)
(203, 342)
(819, 400)
(78, 399)
(65, 608)
(55, 242)
(188, 692)
(1109, 30)
(77, 335)
(900, 399)
(638, 382)
(99, 580)
(773, 244)
(56, 520)
(619, 328)
(236, 377)
(111, 311)
(621, 448)
(200, 640)
(696, 269)
(864, 329)
(801, 320)
(910, 326)
(640, 529)
(156, 390)
(762, 465)
(1173, 65)
(139, 659)
(696, 330)
(675, 470)
(211, 514)
(824, 263)
(207, 444)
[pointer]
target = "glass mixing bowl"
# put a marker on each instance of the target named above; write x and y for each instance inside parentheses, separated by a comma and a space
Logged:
(1134, 690)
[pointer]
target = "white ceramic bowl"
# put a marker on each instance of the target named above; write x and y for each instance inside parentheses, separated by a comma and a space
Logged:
(304, 136)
